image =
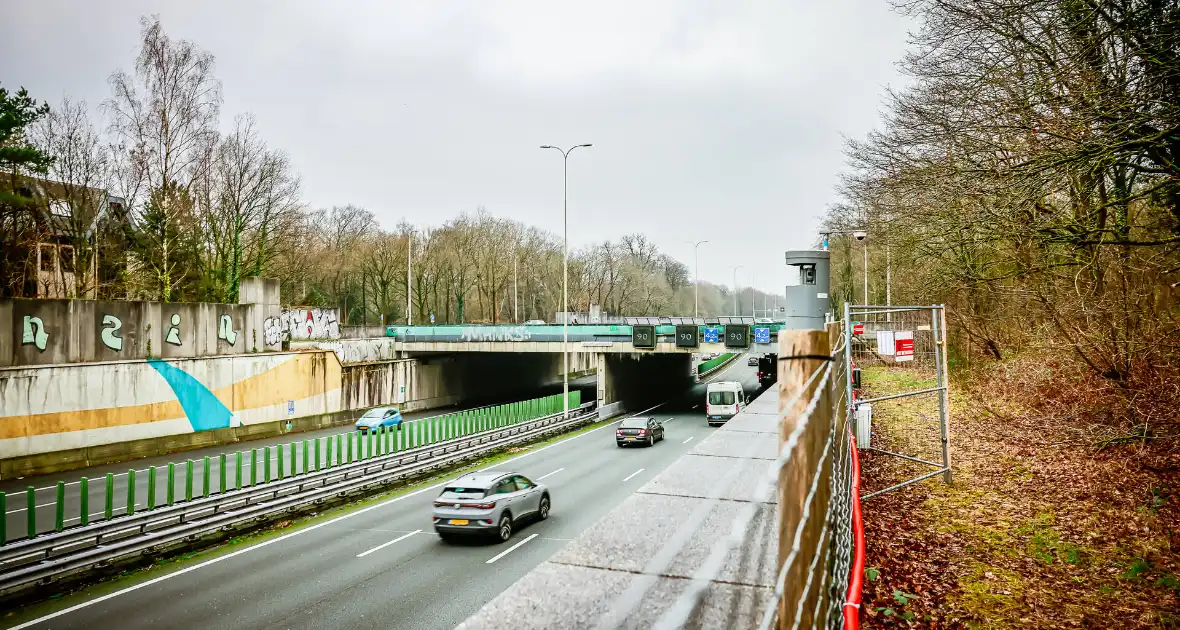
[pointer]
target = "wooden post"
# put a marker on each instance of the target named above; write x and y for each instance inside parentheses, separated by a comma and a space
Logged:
(796, 477)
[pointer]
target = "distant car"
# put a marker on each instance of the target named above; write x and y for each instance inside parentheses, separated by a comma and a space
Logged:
(639, 431)
(380, 418)
(753, 361)
(488, 503)
(535, 322)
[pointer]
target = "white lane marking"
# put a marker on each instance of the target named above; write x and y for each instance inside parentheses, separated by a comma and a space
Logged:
(38, 506)
(550, 474)
(688, 440)
(632, 475)
(272, 541)
(510, 549)
(384, 545)
(645, 411)
(695, 406)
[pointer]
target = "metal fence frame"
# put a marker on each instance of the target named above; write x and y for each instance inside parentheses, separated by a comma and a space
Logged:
(942, 389)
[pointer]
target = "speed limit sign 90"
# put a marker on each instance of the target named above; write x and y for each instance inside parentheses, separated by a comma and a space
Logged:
(643, 336)
(737, 336)
(687, 336)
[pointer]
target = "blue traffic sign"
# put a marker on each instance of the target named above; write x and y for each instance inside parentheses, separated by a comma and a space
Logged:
(712, 334)
(761, 335)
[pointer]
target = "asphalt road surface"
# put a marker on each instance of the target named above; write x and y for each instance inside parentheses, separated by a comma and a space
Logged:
(16, 508)
(382, 566)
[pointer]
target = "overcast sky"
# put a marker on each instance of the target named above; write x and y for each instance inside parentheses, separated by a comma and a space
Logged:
(710, 120)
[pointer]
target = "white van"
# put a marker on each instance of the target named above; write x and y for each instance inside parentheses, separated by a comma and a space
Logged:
(723, 400)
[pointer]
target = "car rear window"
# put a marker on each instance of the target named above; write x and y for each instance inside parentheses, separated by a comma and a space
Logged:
(374, 413)
(634, 423)
(721, 398)
(465, 492)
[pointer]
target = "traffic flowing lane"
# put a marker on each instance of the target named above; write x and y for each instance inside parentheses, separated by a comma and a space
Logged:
(381, 566)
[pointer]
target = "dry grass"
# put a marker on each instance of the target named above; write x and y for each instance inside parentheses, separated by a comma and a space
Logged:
(1049, 524)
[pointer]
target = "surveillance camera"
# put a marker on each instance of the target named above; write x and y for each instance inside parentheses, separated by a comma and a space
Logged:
(860, 235)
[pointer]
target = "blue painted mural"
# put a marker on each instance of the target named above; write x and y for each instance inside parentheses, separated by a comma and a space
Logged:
(204, 410)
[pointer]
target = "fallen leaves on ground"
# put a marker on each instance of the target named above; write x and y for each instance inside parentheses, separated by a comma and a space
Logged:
(1038, 530)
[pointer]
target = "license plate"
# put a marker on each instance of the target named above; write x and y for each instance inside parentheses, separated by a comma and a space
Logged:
(631, 439)
(458, 521)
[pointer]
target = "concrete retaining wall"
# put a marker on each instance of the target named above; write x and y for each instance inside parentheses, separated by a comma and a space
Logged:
(46, 332)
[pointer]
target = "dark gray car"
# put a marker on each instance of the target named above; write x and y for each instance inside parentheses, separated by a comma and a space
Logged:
(644, 431)
(489, 503)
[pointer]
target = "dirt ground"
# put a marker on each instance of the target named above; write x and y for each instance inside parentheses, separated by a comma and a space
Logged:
(1044, 526)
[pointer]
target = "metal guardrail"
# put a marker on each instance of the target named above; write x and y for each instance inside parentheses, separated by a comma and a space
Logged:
(50, 557)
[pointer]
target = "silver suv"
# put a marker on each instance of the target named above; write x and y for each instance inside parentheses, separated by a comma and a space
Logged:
(488, 503)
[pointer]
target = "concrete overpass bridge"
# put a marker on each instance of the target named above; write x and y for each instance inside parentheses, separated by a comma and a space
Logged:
(646, 359)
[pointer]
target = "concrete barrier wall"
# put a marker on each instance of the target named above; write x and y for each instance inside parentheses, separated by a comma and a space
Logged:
(46, 332)
(65, 407)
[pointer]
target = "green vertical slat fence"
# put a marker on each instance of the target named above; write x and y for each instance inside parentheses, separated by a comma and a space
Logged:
(84, 501)
(59, 517)
(31, 510)
(151, 497)
(206, 476)
(109, 507)
(130, 492)
(171, 482)
(188, 480)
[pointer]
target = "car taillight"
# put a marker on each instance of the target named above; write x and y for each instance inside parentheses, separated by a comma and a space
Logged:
(618, 431)
(442, 503)
(642, 431)
(480, 506)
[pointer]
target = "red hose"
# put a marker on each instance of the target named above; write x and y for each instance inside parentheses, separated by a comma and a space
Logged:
(857, 570)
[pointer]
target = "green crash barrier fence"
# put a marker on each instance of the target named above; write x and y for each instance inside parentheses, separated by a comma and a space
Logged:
(705, 366)
(383, 441)
(3, 521)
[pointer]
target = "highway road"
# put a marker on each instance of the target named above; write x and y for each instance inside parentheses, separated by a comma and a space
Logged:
(381, 566)
(16, 512)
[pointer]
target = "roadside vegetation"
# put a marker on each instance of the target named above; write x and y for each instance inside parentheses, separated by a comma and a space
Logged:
(1028, 177)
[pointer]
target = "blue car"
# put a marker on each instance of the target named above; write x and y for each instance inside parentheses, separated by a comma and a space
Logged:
(380, 418)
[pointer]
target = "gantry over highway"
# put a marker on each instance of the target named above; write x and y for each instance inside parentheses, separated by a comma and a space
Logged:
(683, 335)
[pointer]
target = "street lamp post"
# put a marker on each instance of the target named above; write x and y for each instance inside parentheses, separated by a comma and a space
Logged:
(735, 289)
(409, 278)
(565, 264)
(696, 282)
(752, 283)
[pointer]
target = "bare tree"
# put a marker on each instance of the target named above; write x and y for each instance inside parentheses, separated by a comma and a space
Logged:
(166, 114)
(82, 171)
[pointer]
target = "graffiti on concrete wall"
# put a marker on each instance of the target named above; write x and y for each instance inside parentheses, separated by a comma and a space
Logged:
(173, 335)
(110, 332)
(302, 323)
(361, 350)
(495, 333)
(225, 330)
(36, 337)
